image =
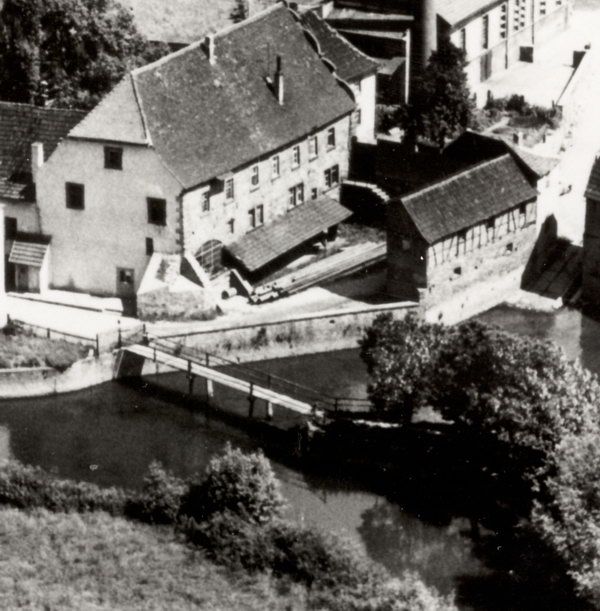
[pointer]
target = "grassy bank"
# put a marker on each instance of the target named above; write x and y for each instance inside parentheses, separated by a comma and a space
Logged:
(21, 349)
(95, 561)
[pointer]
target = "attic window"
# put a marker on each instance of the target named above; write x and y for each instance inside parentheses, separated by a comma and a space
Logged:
(113, 158)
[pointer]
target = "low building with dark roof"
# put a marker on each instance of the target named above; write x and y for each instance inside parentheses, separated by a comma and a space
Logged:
(28, 136)
(193, 153)
(591, 241)
(475, 225)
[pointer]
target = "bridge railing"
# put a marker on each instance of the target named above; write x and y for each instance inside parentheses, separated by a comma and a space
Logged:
(320, 400)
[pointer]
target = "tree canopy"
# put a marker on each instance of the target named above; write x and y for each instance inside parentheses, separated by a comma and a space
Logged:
(441, 104)
(67, 52)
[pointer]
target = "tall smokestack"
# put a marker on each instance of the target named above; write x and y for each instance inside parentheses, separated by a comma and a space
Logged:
(279, 80)
(428, 29)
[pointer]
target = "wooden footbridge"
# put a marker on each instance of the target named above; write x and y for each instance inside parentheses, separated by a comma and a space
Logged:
(273, 390)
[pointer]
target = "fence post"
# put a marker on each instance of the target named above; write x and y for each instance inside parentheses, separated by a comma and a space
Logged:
(48, 333)
(335, 404)
(97, 344)
(119, 338)
(190, 377)
(145, 340)
(207, 356)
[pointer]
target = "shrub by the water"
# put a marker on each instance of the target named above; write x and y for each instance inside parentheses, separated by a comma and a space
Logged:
(160, 500)
(243, 484)
(24, 486)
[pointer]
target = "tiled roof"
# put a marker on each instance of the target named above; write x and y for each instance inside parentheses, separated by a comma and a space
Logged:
(593, 186)
(455, 12)
(20, 126)
(265, 244)
(206, 119)
(468, 198)
(349, 62)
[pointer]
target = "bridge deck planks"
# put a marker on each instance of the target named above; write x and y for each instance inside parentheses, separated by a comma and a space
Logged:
(260, 392)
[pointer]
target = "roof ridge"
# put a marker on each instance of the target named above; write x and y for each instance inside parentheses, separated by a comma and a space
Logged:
(454, 176)
(198, 43)
(42, 108)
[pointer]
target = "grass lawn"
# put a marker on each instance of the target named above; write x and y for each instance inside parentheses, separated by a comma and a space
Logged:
(24, 350)
(94, 561)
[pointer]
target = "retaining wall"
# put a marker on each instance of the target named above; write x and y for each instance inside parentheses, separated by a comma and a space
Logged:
(42, 381)
(294, 336)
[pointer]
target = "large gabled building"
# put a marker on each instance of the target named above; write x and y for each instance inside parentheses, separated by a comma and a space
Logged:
(226, 146)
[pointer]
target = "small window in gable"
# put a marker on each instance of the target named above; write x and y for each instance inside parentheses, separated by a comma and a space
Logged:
(255, 176)
(75, 196)
(275, 169)
(229, 189)
(295, 156)
(313, 147)
(113, 157)
(157, 211)
(331, 137)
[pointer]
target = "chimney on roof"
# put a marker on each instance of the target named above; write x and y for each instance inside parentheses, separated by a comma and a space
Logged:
(279, 80)
(209, 45)
(518, 138)
(37, 158)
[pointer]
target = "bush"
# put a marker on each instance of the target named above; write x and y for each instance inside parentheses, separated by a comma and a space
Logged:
(160, 500)
(243, 484)
(338, 574)
(24, 486)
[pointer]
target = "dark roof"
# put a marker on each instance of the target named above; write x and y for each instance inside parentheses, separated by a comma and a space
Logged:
(593, 187)
(263, 245)
(205, 120)
(20, 126)
(470, 197)
(350, 63)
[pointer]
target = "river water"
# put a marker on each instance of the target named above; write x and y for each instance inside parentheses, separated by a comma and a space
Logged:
(109, 434)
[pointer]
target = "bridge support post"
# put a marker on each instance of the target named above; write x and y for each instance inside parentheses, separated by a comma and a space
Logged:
(269, 413)
(251, 400)
(210, 391)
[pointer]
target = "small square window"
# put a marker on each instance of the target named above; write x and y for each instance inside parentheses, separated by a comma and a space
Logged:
(157, 211)
(229, 189)
(295, 156)
(206, 202)
(358, 116)
(231, 223)
(275, 169)
(510, 247)
(331, 137)
(10, 228)
(406, 244)
(490, 223)
(75, 194)
(313, 147)
(296, 195)
(458, 271)
(255, 176)
(113, 158)
(149, 246)
(126, 276)
(523, 209)
(314, 193)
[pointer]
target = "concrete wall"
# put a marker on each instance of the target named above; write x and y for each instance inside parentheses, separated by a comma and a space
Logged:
(271, 192)
(89, 245)
(323, 332)
(38, 382)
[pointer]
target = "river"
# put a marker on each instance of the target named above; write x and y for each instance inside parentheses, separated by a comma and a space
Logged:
(110, 433)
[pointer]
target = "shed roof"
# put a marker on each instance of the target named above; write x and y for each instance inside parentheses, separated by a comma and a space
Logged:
(29, 249)
(20, 126)
(350, 63)
(265, 244)
(593, 187)
(467, 198)
(206, 119)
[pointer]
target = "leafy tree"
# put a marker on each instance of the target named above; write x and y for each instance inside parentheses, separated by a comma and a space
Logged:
(520, 390)
(399, 355)
(441, 104)
(69, 52)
